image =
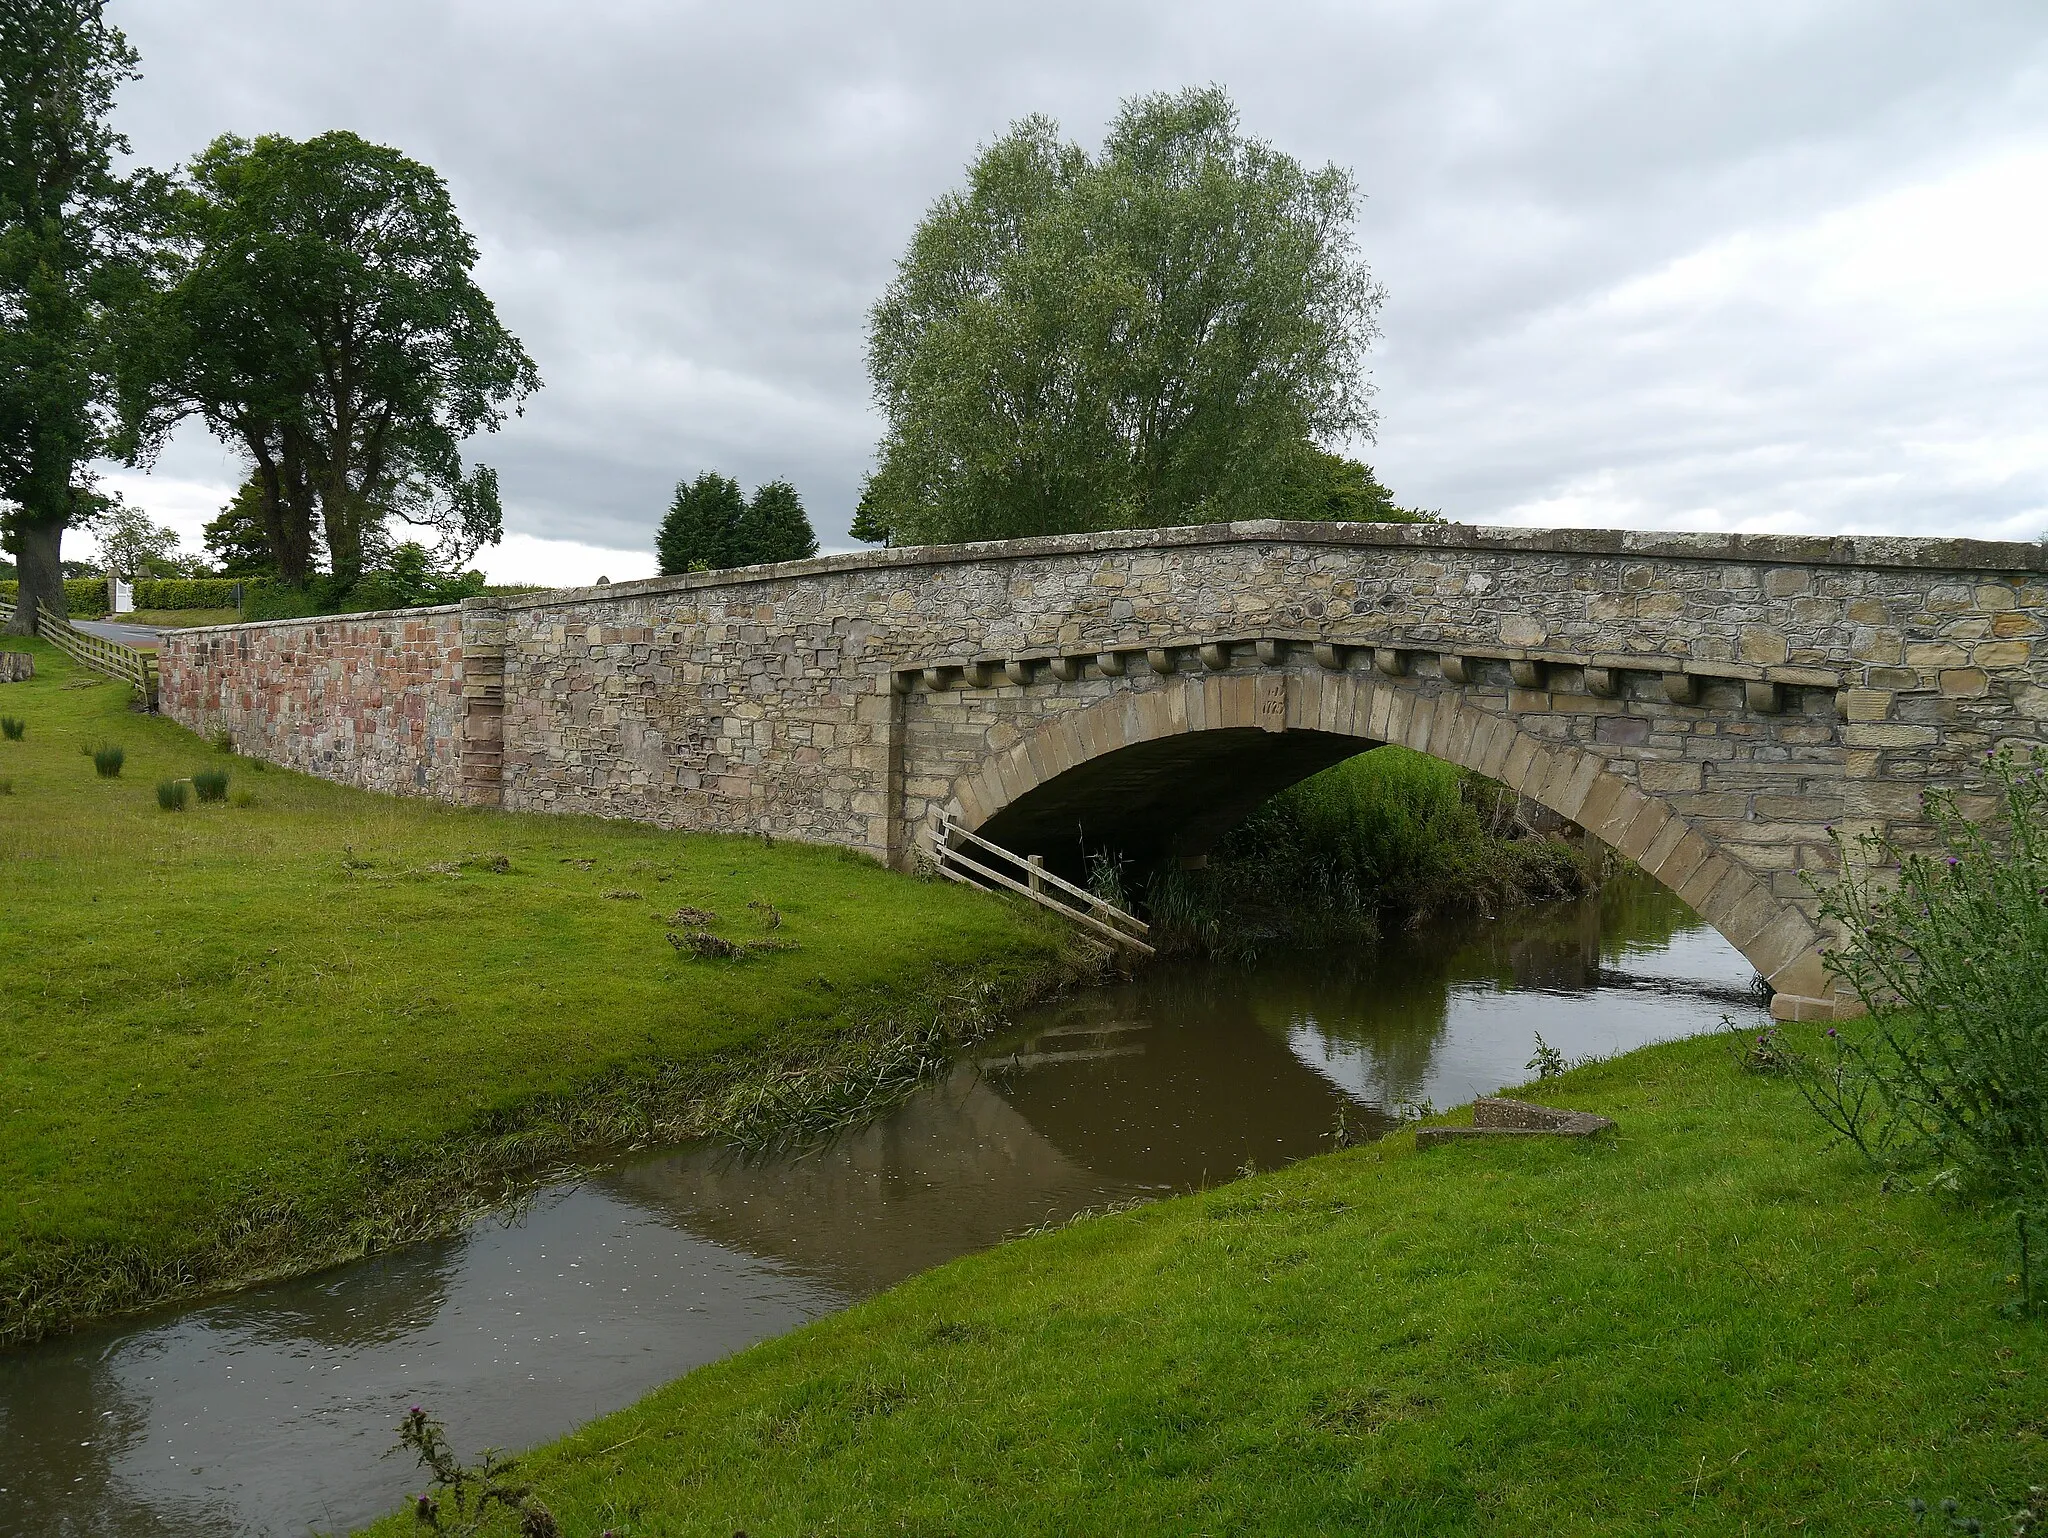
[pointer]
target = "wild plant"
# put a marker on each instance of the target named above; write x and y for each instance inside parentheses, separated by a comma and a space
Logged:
(222, 739)
(471, 1492)
(12, 728)
(171, 795)
(1548, 1063)
(108, 759)
(210, 784)
(1109, 877)
(1951, 963)
(6, 787)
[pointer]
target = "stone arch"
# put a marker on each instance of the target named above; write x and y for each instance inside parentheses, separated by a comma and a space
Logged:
(1355, 711)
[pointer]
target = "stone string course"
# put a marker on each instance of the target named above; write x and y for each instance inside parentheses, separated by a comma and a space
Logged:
(1710, 704)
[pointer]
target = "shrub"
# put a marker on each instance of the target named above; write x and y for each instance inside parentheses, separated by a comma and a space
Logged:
(186, 593)
(84, 597)
(171, 795)
(211, 784)
(13, 728)
(1950, 1066)
(406, 582)
(108, 759)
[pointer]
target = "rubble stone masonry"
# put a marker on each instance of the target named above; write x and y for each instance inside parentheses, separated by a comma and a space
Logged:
(1710, 704)
(373, 700)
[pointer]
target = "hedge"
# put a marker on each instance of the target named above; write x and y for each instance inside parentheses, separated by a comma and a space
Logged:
(85, 597)
(186, 592)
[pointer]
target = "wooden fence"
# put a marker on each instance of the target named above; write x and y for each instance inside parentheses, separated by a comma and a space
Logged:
(111, 657)
(973, 861)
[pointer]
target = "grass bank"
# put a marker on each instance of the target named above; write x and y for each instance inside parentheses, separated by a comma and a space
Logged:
(177, 619)
(1714, 1322)
(283, 1029)
(1388, 836)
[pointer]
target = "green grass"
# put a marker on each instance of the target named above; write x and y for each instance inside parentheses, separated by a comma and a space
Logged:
(311, 1021)
(1713, 1322)
(176, 619)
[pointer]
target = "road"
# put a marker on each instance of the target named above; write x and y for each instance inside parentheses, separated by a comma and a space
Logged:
(127, 635)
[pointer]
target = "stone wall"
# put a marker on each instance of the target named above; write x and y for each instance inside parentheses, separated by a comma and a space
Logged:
(373, 700)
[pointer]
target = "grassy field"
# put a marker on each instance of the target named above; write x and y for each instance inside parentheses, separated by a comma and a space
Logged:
(1712, 1322)
(265, 1033)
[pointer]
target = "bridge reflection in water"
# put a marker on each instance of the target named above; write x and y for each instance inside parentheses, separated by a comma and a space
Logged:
(274, 1409)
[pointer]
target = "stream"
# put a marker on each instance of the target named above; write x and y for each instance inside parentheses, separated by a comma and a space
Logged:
(275, 1411)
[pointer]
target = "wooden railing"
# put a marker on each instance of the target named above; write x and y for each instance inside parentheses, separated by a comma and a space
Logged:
(111, 657)
(973, 861)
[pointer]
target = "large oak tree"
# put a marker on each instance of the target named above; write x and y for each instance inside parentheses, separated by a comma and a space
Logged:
(70, 263)
(1156, 335)
(323, 318)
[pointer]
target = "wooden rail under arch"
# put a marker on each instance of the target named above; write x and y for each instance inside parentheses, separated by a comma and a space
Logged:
(1034, 881)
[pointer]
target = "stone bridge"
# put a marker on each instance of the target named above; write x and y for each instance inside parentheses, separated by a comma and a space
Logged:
(1710, 705)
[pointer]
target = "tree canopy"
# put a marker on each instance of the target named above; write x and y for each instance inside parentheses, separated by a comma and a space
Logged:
(70, 264)
(322, 317)
(236, 537)
(132, 544)
(1151, 336)
(712, 525)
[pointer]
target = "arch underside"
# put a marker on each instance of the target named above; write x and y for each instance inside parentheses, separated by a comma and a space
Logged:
(1170, 796)
(1164, 768)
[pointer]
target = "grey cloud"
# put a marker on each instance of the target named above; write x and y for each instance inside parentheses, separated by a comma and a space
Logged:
(685, 211)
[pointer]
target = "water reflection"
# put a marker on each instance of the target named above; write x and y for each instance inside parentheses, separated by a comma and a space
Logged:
(275, 1410)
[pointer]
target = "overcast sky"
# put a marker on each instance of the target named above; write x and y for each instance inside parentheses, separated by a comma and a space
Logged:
(1727, 265)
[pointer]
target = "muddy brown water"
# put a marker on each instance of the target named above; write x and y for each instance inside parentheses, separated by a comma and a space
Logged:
(275, 1411)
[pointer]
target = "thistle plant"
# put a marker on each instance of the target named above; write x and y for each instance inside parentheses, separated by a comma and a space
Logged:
(1950, 1067)
(464, 1495)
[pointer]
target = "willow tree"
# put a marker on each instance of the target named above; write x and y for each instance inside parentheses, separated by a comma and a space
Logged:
(69, 264)
(1150, 336)
(324, 320)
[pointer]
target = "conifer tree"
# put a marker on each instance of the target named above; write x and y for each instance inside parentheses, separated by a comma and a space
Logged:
(702, 529)
(775, 527)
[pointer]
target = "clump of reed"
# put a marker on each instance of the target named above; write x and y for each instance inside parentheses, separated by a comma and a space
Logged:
(172, 795)
(1389, 833)
(210, 784)
(107, 759)
(13, 728)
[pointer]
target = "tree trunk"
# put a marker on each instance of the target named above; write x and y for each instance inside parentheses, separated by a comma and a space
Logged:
(39, 547)
(287, 515)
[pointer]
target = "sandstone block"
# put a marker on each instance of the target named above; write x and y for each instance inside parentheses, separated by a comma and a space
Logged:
(1659, 778)
(1857, 735)
(2002, 654)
